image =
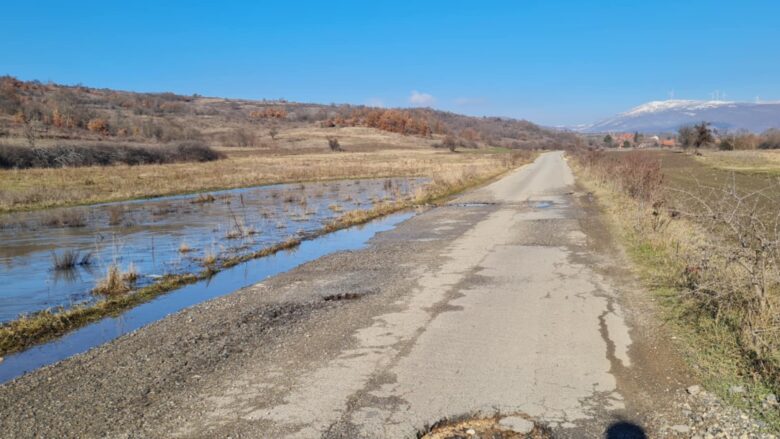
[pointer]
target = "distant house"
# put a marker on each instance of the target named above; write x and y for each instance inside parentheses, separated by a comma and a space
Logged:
(649, 142)
(668, 143)
(622, 137)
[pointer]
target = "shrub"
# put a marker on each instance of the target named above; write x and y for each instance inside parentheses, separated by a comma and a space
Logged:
(243, 138)
(449, 142)
(103, 155)
(334, 145)
(636, 173)
(771, 140)
(98, 125)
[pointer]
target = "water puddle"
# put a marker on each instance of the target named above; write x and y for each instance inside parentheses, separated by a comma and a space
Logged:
(167, 235)
(543, 204)
(220, 284)
(472, 204)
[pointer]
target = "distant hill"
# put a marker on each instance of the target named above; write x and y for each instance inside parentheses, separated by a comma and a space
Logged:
(667, 116)
(74, 113)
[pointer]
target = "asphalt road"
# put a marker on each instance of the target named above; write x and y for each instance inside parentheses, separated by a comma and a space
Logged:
(511, 299)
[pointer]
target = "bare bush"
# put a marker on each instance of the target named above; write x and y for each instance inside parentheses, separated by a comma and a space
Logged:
(637, 173)
(334, 145)
(243, 138)
(735, 273)
(449, 142)
(770, 140)
(726, 251)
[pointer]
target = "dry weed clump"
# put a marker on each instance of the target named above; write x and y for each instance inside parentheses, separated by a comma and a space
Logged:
(65, 218)
(69, 259)
(116, 282)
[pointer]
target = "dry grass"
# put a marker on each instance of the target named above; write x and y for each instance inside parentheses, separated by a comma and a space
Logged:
(390, 156)
(69, 259)
(479, 427)
(702, 276)
(65, 218)
(757, 161)
(115, 282)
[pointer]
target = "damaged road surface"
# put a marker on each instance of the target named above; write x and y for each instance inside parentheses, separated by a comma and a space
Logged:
(508, 302)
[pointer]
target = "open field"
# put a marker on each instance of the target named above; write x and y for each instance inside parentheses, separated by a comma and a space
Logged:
(748, 162)
(301, 156)
(708, 254)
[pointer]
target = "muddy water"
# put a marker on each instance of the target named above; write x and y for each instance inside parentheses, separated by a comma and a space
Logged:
(220, 284)
(169, 235)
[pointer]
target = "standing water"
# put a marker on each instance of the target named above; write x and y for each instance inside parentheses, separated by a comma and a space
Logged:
(169, 235)
(221, 283)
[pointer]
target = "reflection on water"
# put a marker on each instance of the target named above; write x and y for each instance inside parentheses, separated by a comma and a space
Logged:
(164, 236)
(222, 283)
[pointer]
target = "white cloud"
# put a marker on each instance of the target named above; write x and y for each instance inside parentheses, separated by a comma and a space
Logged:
(421, 99)
(375, 102)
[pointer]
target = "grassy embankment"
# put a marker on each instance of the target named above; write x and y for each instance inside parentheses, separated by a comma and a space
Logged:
(697, 266)
(451, 173)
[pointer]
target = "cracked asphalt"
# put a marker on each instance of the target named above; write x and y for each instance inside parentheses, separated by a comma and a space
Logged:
(512, 299)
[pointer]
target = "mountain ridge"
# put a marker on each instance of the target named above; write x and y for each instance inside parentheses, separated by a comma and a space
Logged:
(669, 115)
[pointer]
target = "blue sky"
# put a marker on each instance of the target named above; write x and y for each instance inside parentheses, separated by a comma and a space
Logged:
(552, 62)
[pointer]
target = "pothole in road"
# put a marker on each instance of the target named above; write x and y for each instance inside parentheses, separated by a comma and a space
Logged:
(474, 204)
(343, 296)
(496, 427)
(542, 204)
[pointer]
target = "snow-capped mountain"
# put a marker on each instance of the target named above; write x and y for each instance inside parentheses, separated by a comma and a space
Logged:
(665, 116)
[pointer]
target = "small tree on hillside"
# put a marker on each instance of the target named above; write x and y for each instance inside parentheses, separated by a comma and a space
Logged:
(608, 140)
(273, 132)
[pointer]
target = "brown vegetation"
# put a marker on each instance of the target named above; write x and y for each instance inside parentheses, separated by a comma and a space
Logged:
(59, 156)
(70, 259)
(51, 111)
(115, 282)
(714, 248)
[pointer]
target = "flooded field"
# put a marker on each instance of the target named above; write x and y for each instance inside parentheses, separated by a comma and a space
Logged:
(224, 282)
(55, 258)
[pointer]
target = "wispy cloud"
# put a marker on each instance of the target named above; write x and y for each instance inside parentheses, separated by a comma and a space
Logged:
(421, 99)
